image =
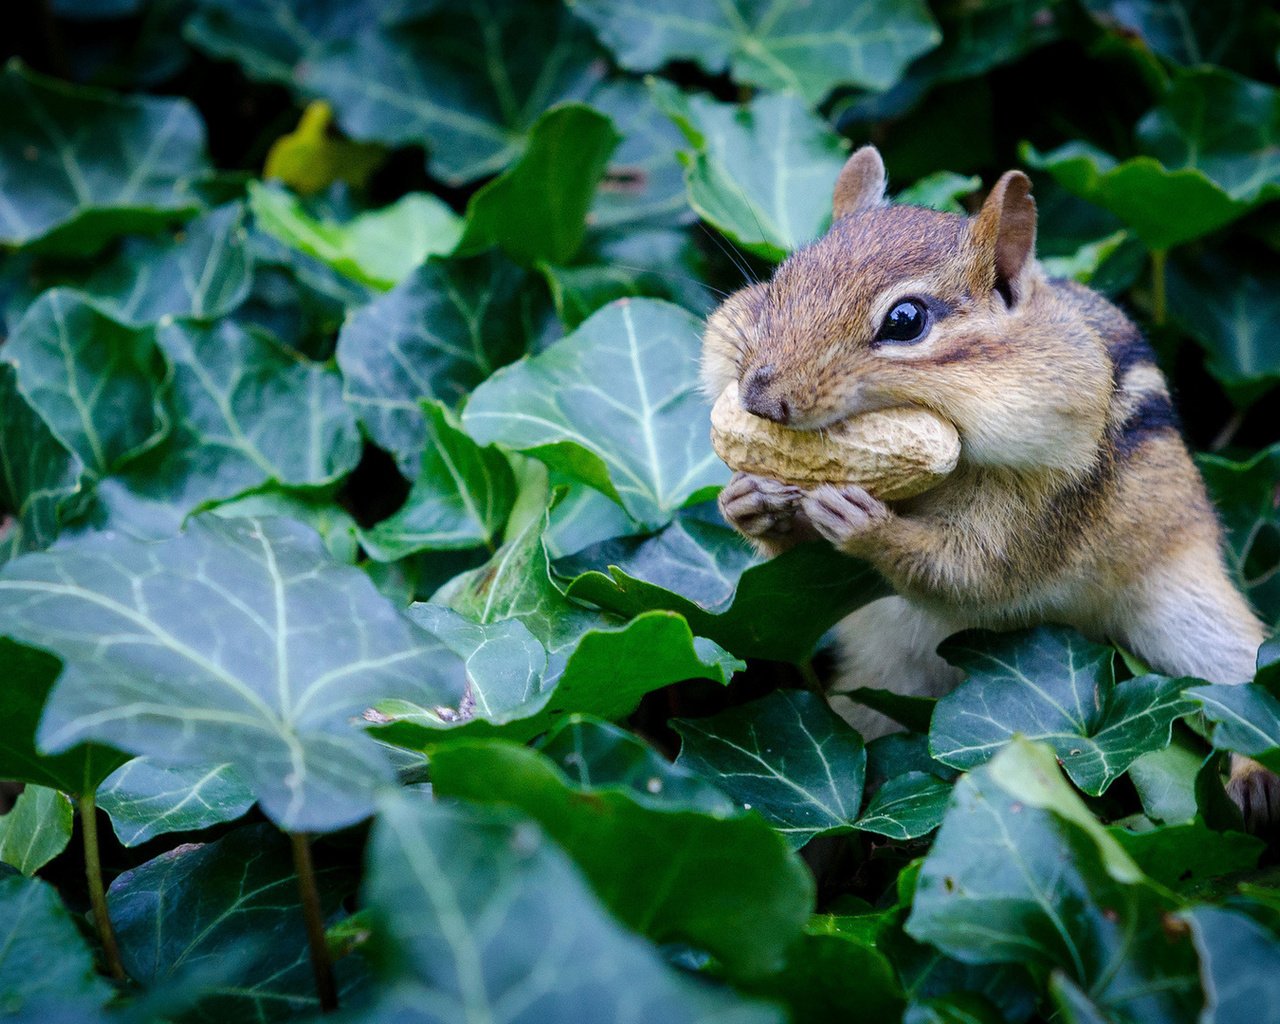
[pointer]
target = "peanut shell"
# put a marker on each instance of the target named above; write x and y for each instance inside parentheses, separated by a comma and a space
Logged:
(891, 454)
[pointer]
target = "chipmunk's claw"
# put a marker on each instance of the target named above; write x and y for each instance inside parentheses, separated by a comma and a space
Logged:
(1256, 791)
(758, 506)
(843, 514)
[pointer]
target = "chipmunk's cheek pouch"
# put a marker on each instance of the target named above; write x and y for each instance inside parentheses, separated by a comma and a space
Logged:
(1256, 791)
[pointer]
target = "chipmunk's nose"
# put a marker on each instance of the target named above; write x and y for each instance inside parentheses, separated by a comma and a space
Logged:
(759, 398)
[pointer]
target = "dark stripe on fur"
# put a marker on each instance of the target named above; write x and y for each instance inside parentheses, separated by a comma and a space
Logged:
(1153, 415)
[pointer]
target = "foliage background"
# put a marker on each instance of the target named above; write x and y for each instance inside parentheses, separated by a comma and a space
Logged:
(317, 398)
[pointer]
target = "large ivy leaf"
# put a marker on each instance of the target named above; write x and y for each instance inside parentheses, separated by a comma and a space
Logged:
(1239, 965)
(246, 412)
(95, 382)
(460, 498)
(788, 756)
(40, 481)
(237, 641)
(1053, 685)
(776, 608)
(234, 903)
(1185, 857)
(440, 875)
(1246, 494)
(46, 970)
(537, 209)
(807, 49)
(615, 404)
(79, 167)
(726, 884)
(378, 248)
(145, 799)
(1246, 719)
(764, 173)
(906, 807)
(36, 829)
(442, 331)
(1021, 872)
(469, 79)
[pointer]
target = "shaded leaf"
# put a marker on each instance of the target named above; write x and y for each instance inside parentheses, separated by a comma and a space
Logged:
(237, 641)
(145, 799)
(1052, 685)
(788, 756)
(36, 829)
(1239, 965)
(1246, 495)
(906, 807)
(940, 191)
(1246, 719)
(615, 404)
(1179, 30)
(1184, 857)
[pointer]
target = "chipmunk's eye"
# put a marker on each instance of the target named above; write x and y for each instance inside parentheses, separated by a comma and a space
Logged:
(908, 321)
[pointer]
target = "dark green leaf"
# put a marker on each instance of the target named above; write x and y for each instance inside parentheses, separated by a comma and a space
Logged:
(1180, 30)
(1184, 857)
(807, 49)
(906, 807)
(616, 405)
(1246, 719)
(1246, 497)
(1052, 685)
(237, 641)
(788, 756)
(79, 167)
(145, 799)
(1239, 965)
(940, 191)
(441, 875)
(36, 829)
(442, 331)
(726, 884)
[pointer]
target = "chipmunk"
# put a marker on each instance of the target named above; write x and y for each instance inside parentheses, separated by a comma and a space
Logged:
(1075, 500)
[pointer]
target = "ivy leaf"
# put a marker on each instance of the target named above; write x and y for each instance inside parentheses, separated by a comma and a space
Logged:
(788, 756)
(233, 902)
(537, 209)
(763, 174)
(1245, 494)
(79, 166)
(1052, 685)
(439, 874)
(906, 807)
(616, 405)
(36, 829)
(94, 381)
(438, 334)
(808, 49)
(1021, 872)
(1239, 959)
(940, 191)
(237, 641)
(1181, 31)
(1184, 857)
(468, 78)
(35, 929)
(776, 608)
(729, 884)
(378, 248)
(145, 799)
(460, 498)
(1246, 719)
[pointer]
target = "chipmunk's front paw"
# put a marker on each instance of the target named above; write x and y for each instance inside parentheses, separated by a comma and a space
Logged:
(1256, 790)
(761, 508)
(845, 515)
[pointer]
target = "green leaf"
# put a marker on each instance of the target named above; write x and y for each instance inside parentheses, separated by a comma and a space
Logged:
(247, 412)
(763, 174)
(1021, 872)
(1052, 685)
(1230, 306)
(1184, 857)
(1246, 719)
(79, 167)
(94, 381)
(1245, 494)
(1239, 965)
(442, 331)
(1179, 30)
(46, 971)
(906, 807)
(726, 592)
(237, 641)
(788, 756)
(469, 79)
(808, 49)
(233, 903)
(616, 405)
(41, 483)
(537, 209)
(440, 875)
(145, 799)
(378, 248)
(726, 884)
(36, 829)
(940, 191)
(461, 496)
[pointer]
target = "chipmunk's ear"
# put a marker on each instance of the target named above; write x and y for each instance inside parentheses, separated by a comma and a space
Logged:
(1002, 238)
(861, 183)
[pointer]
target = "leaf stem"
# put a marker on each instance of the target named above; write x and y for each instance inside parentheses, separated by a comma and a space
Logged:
(1159, 307)
(810, 677)
(97, 892)
(321, 964)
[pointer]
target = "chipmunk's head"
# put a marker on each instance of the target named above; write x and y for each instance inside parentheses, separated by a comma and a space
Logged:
(899, 305)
